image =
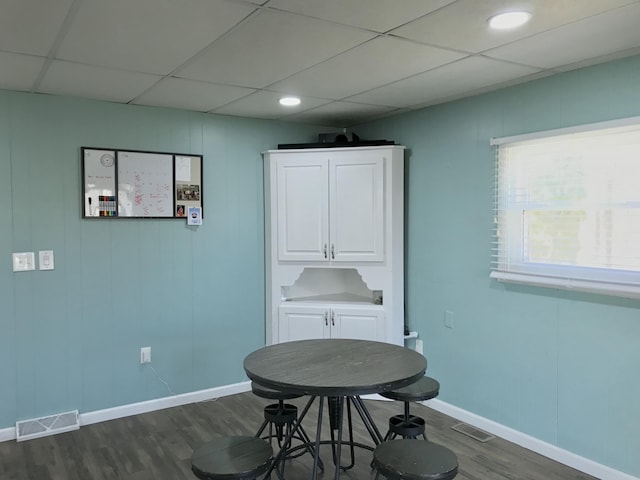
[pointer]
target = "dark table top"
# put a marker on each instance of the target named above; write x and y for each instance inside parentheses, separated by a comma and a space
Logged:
(334, 367)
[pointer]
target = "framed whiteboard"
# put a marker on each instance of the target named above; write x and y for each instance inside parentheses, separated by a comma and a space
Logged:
(139, 184)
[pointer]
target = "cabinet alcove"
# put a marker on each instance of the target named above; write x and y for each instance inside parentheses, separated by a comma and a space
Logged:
(334, 243)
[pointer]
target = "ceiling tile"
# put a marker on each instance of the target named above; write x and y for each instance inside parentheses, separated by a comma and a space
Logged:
(340, 114)
(367, 66)
(457, 78)
(463, 24)
(265, 104)
(270, 47)
(19, 72)
(152, 36)
(31, 26)
(66, 78)
(346, 58)
(190, 95)
(580, 40)
(380, 17)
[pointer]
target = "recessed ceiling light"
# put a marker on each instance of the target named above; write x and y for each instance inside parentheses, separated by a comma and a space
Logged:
(508, 20)
(289, 101)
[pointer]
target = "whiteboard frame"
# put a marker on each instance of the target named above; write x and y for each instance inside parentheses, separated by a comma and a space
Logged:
(120, 183)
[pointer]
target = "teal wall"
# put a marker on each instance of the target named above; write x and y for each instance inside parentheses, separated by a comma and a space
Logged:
(563, 367)
(559, 366)
(70, 338)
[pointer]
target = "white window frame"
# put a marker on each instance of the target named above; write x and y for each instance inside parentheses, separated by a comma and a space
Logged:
(509, 264)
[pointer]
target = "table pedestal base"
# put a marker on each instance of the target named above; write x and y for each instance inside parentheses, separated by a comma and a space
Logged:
(335, 407)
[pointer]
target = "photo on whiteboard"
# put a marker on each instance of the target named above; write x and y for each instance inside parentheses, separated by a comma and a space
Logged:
(194, 216)
(188, 192)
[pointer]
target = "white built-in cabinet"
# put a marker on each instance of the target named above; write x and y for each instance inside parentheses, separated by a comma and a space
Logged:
(334, 243)
(331, 209)
(298, 321)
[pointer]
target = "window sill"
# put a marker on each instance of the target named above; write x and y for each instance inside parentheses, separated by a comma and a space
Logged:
(602, 288)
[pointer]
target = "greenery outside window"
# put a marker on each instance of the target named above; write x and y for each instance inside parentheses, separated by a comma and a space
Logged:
(568, 208)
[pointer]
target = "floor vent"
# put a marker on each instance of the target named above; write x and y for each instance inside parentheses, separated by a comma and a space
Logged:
(472, 432)
(41, 427)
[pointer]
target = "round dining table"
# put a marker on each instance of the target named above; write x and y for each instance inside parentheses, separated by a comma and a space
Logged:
(336, 369)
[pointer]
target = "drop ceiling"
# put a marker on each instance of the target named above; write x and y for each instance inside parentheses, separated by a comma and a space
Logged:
(350, 61)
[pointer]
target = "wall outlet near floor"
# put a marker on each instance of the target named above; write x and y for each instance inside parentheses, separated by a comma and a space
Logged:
(419, 346)
(145, 355)
(448, 319)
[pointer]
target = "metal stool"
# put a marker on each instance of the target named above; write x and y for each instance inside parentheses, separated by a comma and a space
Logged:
(407, 425)
(282, 420)
(404, 459)
(225, 458)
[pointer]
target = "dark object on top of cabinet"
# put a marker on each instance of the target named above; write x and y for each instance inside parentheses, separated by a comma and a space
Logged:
(336, 139)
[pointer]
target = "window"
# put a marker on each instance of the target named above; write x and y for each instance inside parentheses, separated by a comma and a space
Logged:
(568, 209)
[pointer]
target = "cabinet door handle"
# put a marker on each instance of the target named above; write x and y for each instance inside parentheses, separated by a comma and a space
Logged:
(333, 322)
(326, 318)
(333, 252)
(324, 250)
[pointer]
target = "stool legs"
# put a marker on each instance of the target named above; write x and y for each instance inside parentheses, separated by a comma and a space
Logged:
(406, 425)
(282, 420)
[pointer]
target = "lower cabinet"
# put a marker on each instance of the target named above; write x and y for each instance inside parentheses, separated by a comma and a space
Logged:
(303, 322)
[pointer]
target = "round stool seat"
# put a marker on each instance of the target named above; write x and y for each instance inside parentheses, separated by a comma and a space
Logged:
(424, 389)
(232, 458)
(271, 394)
(415, 460)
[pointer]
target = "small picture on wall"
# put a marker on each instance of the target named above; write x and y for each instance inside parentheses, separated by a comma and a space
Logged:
(180, 211)
(188, 192)
(194, 216)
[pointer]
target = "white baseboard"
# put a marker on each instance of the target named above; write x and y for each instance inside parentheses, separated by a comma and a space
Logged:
(148, 406)
(161, 403)
(374, 396)
(543, 448)
(7, 434)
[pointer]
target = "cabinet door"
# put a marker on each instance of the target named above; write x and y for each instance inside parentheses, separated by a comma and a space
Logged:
(302, 322)
(303, 223)
(356, 207)
(357, 323)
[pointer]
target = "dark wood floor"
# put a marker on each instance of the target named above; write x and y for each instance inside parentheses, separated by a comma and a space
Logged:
(158, 446)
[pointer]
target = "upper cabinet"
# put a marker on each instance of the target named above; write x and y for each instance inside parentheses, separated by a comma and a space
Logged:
(330, 206)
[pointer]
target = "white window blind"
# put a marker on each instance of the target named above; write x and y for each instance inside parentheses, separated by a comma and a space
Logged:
(568, 209)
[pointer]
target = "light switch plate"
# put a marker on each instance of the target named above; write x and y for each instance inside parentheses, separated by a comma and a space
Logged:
(24, 261)
(45, 259)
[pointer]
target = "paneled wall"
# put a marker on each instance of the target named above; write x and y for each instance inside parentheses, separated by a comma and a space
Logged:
(70, 338)
(560, 366)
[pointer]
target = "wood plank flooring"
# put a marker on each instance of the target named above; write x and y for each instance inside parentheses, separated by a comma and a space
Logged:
(158, 446)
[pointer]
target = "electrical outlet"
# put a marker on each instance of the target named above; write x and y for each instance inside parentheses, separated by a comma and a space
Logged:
(448, 319)
(145, 355)
(419, 346)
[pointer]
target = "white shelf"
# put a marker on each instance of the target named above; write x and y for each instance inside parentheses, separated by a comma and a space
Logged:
(332, 298)
(411, 335)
